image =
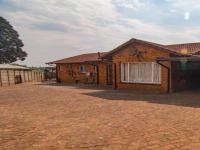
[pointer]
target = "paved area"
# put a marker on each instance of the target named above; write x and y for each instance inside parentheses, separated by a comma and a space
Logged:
(50, 117)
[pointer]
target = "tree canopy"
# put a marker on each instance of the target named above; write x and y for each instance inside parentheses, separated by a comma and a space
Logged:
(10, 44)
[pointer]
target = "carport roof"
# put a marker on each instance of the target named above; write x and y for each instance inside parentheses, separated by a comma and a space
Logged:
(191, 58)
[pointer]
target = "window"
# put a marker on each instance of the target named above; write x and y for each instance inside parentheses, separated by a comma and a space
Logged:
(82, 69)
(142, 72)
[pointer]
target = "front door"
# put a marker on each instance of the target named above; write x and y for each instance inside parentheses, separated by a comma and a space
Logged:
(109, 74)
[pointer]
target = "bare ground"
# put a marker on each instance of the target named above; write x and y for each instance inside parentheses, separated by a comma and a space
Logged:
(51, 117)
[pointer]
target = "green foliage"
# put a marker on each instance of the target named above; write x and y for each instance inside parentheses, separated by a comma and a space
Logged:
(10, 44)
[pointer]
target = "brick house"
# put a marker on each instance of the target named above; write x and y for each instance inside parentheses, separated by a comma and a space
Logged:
(136, 65)
(85, 68)
(145, 66)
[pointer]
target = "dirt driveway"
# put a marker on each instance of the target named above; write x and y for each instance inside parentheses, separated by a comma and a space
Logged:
(50, 117)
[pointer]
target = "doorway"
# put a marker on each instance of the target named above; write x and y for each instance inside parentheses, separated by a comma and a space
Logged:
(109, 73)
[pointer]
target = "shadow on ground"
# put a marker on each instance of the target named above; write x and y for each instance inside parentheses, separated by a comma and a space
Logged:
(185, 99)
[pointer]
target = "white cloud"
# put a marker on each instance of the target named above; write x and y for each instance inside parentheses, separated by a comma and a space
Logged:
(132, 4)
(185, 4)
(187, 16)
(53, 29)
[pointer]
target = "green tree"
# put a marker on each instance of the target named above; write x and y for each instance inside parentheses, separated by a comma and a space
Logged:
(10, 44)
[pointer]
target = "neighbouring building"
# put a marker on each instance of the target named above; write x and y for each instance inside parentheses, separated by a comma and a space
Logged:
(15, 74)
(137, 65)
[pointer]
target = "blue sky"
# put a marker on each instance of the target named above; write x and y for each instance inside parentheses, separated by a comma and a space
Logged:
(54, 29)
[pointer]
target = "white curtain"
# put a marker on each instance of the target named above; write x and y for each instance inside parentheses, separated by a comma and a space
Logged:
(142, 72)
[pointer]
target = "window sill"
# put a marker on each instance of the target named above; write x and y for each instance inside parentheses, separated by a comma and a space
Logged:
(124, 82)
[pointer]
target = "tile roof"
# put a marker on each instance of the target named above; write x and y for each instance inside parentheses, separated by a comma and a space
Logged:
(159, 46)
(191, 48)
(90, 57)
(186, 49)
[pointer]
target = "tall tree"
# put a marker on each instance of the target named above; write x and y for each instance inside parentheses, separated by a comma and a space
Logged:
(10, 44)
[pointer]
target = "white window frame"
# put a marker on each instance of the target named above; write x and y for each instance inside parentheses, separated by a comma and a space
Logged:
(142, 82)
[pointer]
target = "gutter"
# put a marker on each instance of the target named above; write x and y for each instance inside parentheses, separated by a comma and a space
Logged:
(169, 75)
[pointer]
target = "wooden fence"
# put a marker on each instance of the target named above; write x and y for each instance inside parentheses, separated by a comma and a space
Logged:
(11, 77)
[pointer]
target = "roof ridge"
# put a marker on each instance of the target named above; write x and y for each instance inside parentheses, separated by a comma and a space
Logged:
(159, 45)
(147, 41)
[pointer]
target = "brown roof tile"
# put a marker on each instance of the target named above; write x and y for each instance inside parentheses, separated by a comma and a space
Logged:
(90, 57)
(179, 49)
(159, 46)
(191, 48)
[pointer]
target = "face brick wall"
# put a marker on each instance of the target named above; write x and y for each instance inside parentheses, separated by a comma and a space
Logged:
(151, 54)
(69, 73)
